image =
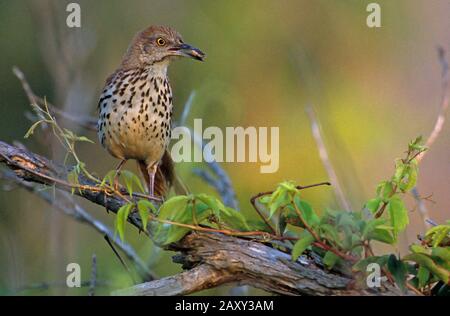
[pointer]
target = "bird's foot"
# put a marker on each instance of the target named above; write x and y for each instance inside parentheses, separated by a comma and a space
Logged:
(116, 184)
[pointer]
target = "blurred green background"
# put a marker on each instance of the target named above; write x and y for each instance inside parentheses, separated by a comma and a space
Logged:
(373, 90)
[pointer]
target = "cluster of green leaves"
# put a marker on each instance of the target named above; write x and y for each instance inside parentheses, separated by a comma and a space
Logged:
(181, 214)
(388, 202)
(342, 237)
(432, 258)
(129, 179)
(339, 236)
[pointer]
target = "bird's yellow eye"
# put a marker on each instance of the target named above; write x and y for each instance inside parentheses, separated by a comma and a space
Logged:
(161, 41)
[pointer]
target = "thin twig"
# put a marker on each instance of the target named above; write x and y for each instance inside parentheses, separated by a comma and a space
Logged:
(122, 262)
(93, 276)
(315, 127)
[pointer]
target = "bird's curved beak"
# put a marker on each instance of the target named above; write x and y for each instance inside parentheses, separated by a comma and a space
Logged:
(187, 50)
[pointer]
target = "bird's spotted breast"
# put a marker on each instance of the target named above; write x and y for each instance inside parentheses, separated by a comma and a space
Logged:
(135, 111)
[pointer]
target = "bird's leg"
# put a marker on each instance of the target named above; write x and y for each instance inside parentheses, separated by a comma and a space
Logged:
(117, 175)
(152, 169)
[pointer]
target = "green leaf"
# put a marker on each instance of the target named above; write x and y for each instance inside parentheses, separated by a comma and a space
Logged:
(371, 225)
(130, 180)
(172, 207)
(423, 275)
(174, 210)
(144, 207)
(398, 214)
(32, 128)
(265, 199)
(109, 177)
(400, 168)
(418, 249)
(385, 189)
(121, 219)
(216, 206)
(330, 233)
(409, 177)
(415, 145)
(288, 186)
(308, 213)
(398, 271)
(440, 234)
(330, 259)
(279, 198)
(235, 220)
(428, 262)
(68, 134)
(84, 139)
(383, 234)
(434, 232)
(442, 253)
(72, 178)
(300, 246)
(373, 205)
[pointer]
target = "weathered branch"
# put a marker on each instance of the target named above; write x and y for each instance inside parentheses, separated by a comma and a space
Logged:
(35, 168)
(215, 259)
(211, 259)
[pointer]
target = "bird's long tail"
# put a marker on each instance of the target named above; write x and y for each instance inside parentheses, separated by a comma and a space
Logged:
(165, 177)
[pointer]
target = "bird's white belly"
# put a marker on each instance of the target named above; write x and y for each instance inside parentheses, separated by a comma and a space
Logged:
(136, 123)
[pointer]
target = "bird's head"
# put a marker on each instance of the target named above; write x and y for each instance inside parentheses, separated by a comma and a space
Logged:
(159, 44)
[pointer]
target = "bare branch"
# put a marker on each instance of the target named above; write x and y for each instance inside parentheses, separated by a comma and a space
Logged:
(326, 160)
(444, 103)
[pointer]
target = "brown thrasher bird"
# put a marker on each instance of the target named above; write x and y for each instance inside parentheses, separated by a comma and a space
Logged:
(135, 108)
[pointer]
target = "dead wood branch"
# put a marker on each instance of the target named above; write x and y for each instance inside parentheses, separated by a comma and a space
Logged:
(215, 259)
